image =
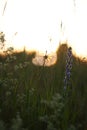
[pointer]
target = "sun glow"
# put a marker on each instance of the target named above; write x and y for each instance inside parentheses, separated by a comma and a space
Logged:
(36, 24)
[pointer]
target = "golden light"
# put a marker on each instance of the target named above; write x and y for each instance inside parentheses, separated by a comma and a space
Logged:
(36, 24)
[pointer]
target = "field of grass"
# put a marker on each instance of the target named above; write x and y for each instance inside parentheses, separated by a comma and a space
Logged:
(34, 98)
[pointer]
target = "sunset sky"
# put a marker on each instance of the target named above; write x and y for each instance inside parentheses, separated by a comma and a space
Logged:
(35, 24)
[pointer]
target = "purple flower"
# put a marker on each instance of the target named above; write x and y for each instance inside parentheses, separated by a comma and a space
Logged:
(68, 68)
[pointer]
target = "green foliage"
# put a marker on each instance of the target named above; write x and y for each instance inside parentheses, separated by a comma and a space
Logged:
(17, 123)
(2, 125)
(31, 97)
(55, 106)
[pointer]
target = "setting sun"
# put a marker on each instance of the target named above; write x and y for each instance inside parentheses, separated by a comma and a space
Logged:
(41, 24)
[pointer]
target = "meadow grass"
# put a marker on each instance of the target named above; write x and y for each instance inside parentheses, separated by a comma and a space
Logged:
(31, 97)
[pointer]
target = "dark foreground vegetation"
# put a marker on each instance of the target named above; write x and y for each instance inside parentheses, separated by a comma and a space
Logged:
(34, 98)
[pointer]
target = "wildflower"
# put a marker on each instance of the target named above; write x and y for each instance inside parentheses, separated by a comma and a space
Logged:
(26, 64)
(16, 67)
(68, 68)
(20, 66)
